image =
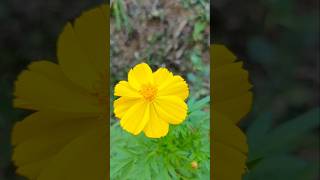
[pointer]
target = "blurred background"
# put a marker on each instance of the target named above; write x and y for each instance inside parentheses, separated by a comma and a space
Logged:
(167, 33)
(277, 40)
(28, 32)
(279, 44)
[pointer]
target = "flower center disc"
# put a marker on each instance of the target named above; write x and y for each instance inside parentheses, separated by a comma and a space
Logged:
(148, 92)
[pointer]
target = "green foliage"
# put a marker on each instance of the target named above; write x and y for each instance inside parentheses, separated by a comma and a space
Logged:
(202, 7)
(200, 74)
(197, 33)
(121, 18)
(170, 157)
(271, 149)
(282, 167)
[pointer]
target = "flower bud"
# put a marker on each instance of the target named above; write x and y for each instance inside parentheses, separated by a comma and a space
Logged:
(194, 165)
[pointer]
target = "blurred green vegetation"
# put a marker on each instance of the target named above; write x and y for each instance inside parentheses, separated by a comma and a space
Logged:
(29, 31)
(279, 43)
(170, 157)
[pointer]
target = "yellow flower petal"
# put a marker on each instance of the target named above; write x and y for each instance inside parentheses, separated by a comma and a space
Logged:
(236, 108)
(53, 142)
(140, 75)
(229, 148)
(171, 109)
(123, 104)
(175, 86)
(226, 132)
(161, 76)
(136, 118)
(228, 162)
(47, 122)
(231, 81)
(231, 87)
(155, 127)
(149, 101)
(82, 48)
(123, 88)
(92, 30)
(33, 170)
(220, 55)
(231, 102)
(35, 140)
(82, 159)
(44, 82)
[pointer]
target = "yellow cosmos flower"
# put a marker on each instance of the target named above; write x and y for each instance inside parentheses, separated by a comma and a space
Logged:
(65, 137)
(150, 101)
(231, 102)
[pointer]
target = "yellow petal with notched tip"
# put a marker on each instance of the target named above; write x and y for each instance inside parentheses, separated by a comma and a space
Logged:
(231, 102)
(82, 48)
(231, 88)
(156, 127)
(44, 134)
(231, 81)
(82, 159)
(229, 149)
(161, 76)
(53, 142)
(228, 163)
(140, 75)
(92, 30)
(44, 86)
(171, 109)
(220, 55)
(175, 86)
(236, 108)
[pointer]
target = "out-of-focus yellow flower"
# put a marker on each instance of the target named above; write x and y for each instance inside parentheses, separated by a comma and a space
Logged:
(150, 101)
(231, 101)
(65, 138)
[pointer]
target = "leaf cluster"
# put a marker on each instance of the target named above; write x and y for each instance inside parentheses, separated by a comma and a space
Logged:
(272, 149)
(169, 157)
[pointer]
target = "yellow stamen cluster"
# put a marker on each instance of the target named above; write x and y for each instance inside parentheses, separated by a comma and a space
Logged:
(149, 92)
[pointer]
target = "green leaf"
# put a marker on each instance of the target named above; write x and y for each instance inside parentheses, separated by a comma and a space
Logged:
(259, 127)
(285, 137)
(117, 15)
(163, 174)
(251, 164)
(191, 101)
(198, 115)
(278, 168)
(172, 172)
(154, 166)
(127, 171)
(257, 131)
(118, 166)
(161, 158)
(147, 172)
(311, 172)
(294, 129)
(198, 105)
